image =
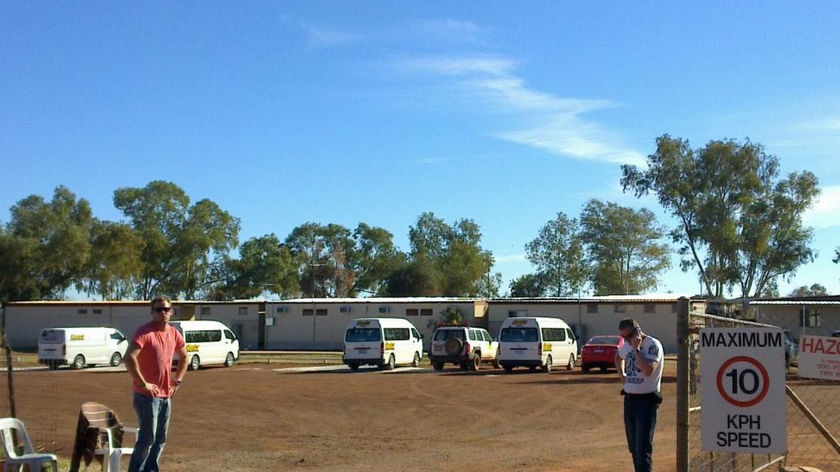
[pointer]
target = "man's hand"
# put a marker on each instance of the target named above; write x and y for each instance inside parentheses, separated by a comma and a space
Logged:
(151, 388)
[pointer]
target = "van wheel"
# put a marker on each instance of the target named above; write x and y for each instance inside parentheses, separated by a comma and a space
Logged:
(547, 367)
(354, 367)
(476, 362)
(229, 359)
(195, 363)
(438, 366)
(571, 364)
(508, 369)
(391, 363)
(496, 361)
(416, 361)
(53, 365)
(585, 368)
(78, 362)
(116, 358)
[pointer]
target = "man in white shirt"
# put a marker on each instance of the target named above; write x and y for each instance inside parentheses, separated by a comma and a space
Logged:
(639, 363)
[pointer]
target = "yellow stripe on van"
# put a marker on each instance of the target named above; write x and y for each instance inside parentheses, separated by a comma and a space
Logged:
(546, 346)
(192, 347)
(77, 337)
(389, 346)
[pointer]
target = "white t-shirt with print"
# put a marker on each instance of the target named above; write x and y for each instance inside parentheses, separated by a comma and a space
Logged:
(635, 381)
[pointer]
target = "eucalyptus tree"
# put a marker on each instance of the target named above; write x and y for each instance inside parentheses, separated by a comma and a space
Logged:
(46, 246)
(184, 245)
(740, 224)
(624, 248)
(558, 255)
(264, 265)
(460, 266)
(115, 266)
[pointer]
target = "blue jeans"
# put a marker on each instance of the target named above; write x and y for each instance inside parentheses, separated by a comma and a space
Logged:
(640, 413)
(153, 419)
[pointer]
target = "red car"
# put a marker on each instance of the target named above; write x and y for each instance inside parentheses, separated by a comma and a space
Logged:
(600, 351)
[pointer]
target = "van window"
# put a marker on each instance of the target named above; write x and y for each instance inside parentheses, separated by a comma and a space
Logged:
(519, 335)
(203, 336)
(554, 334)
(415, 334)
(229, 335)
(362, 335)
(397, 334)
(117, 336)
(475, 335)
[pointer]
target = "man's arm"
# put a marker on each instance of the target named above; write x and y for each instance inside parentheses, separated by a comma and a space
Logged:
(134, 370)
(182, 363)
(619, 365)
(646, 367)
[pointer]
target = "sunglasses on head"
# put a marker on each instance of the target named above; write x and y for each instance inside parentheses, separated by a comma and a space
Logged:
(162, 309)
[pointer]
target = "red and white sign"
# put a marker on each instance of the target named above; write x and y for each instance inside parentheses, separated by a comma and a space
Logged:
(742, 373)
(819, 357)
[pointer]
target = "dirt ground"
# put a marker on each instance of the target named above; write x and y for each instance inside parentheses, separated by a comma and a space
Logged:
(258, 417)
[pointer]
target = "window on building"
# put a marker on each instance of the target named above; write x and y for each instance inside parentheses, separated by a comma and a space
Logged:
(412, 312)
(97, 311)
(620, 308)
(243, 310)
(308, 312)
(82, 311)
(592, 308)
(811, 318)
(516, 313)
(205, 311)
(321, 312)
(426, 312)
(649, 308)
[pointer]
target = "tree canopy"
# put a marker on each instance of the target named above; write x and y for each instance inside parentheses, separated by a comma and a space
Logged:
(740, 224)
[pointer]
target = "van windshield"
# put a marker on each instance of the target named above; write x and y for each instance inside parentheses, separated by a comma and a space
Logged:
(519, 335)
(362, 335)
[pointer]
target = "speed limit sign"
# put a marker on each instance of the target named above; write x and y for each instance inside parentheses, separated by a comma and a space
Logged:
(743, 390)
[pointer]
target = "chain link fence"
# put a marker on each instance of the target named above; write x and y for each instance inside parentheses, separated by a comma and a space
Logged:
(812, 406)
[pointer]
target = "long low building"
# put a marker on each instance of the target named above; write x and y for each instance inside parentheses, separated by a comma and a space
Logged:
(318, 323)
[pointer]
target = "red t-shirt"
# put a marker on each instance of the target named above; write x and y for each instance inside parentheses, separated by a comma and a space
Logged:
(155, 357)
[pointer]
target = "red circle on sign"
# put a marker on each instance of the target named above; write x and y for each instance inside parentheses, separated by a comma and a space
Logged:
(764, 377)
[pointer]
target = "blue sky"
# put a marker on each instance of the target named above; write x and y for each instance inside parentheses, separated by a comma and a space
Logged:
(344, 112)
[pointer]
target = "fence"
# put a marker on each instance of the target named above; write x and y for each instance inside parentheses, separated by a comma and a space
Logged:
(812, 406)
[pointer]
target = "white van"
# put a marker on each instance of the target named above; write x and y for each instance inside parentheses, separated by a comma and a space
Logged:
(536, 342)
(383, 342)
(79, 347)
(208, 343)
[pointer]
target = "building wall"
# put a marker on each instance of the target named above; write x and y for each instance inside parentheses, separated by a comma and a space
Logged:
(591, 317)
(282, 325)
(289, 328)
(821, 319)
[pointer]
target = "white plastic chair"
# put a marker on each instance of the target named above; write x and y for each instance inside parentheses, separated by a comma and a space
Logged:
(111, 455)
(15, 461)
(105, 420)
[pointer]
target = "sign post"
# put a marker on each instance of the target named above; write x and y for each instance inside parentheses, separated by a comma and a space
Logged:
(743, 390)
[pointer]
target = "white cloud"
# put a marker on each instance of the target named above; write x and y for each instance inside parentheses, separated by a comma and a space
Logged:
(826, 211)
(554, 124)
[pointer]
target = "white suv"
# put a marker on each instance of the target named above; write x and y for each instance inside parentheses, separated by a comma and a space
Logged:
(463, 346)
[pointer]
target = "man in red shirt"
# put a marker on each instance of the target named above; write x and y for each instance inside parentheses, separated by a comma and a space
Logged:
(149, 361)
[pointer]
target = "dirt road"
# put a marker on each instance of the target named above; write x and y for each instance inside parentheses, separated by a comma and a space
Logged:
(261, 418)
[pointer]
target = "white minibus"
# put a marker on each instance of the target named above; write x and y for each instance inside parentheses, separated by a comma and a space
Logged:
(79, 347)
(383, 342)
(536, 342)
(208, 343)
